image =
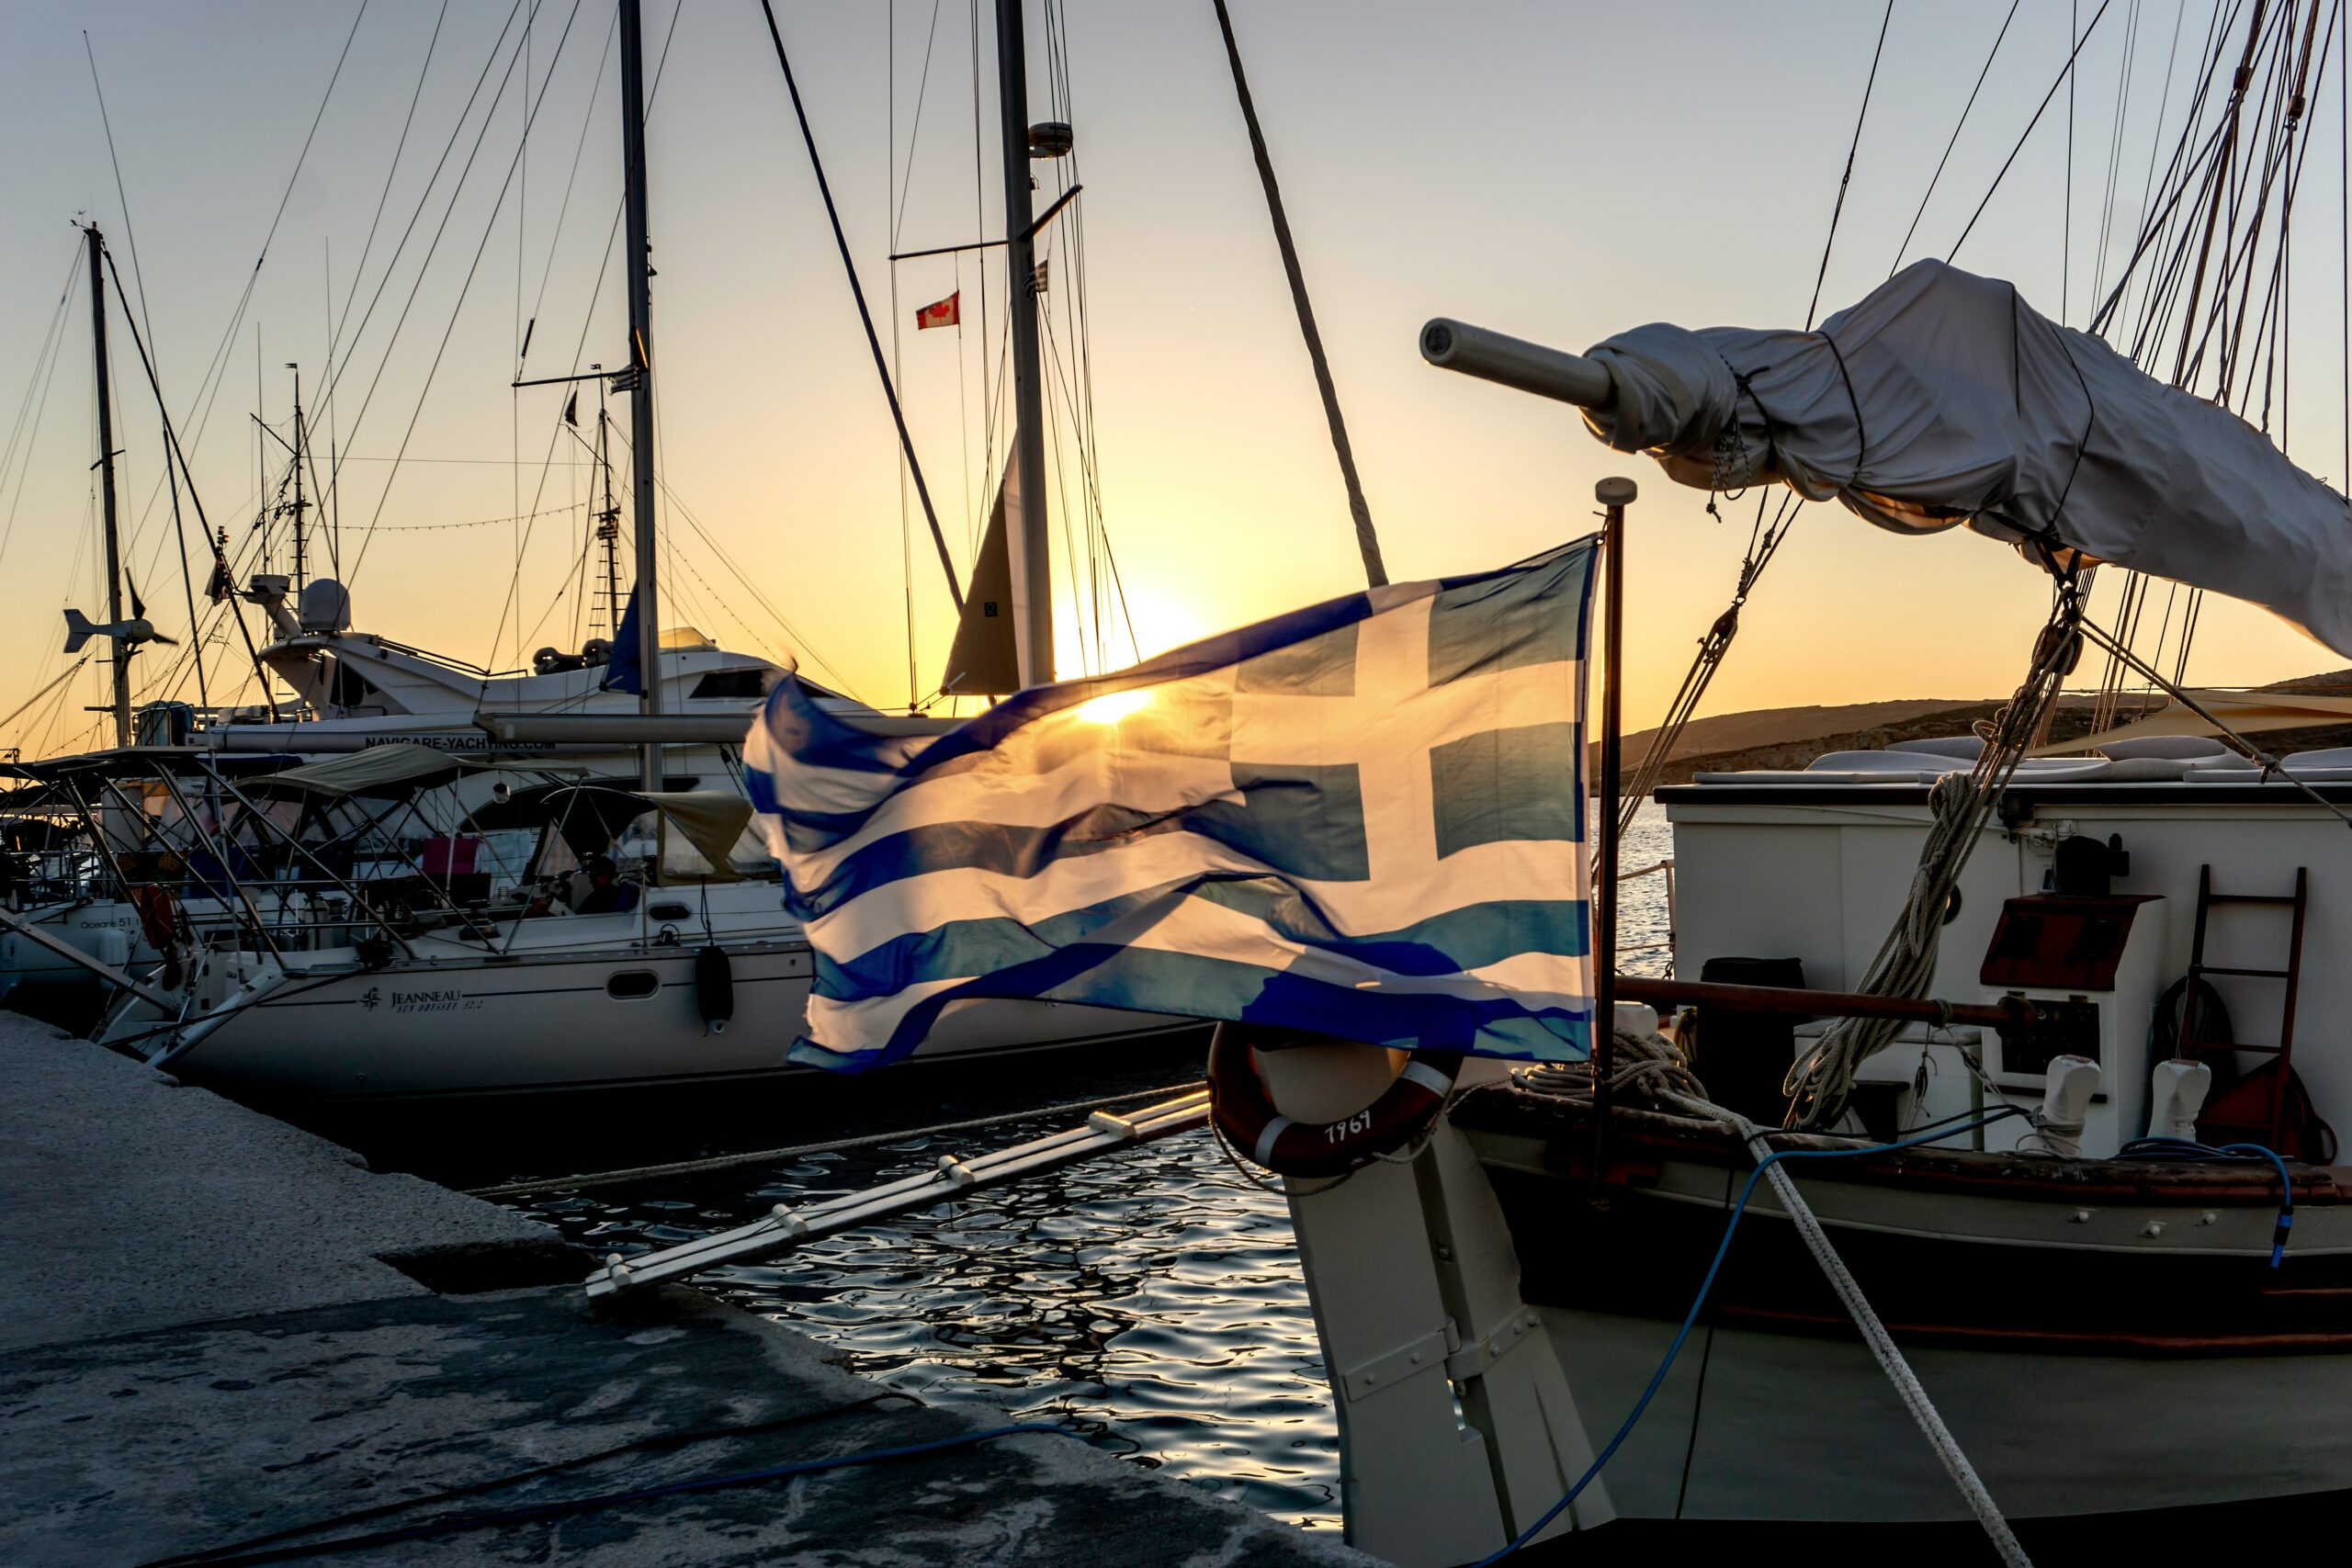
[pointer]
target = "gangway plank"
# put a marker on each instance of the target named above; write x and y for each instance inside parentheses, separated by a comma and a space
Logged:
(1103, 1132)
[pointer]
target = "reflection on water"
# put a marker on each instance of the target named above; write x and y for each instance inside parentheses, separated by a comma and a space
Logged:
(1153, 1298)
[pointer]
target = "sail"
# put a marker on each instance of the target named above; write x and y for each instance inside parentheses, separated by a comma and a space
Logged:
(1943, 399)
(983, 662)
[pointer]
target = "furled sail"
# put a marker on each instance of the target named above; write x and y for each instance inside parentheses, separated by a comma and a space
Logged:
(982, 661)
(1942, 398)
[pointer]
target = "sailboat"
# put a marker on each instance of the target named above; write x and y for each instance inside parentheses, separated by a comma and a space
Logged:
(527, 996)
(2033, 1018)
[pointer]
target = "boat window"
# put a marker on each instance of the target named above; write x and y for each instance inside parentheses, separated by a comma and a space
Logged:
(672, 912)
(350, 688)
(744, 683)
(632, 984)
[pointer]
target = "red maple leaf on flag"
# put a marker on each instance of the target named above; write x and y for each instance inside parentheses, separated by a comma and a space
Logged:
(947, 312)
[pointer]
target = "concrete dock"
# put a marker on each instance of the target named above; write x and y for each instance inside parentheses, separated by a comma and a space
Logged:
(218, 1328)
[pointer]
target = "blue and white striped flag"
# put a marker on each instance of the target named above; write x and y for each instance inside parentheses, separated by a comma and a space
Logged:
(1365, 818)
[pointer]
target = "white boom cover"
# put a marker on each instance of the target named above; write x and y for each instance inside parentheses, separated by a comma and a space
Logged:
(1942, 398)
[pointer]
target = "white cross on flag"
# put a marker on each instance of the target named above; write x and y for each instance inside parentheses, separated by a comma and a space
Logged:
(1365, 817)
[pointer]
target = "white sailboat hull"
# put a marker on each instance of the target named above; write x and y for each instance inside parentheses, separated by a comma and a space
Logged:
(549, 1024)
(543, 1022)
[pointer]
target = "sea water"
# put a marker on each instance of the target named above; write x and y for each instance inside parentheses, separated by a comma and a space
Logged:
(1153, 1299)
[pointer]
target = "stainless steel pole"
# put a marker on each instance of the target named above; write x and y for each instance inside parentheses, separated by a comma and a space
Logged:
(1614, 495)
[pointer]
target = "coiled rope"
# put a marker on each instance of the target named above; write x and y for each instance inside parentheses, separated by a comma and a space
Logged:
(1820, 1083)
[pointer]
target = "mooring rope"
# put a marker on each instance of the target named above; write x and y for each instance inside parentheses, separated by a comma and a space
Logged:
(776, 1157)
(1658, 1070)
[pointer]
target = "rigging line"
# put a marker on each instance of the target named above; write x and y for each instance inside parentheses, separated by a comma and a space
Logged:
(2227, 166)
(1061, 492)
(914, 131)
(2343, 194)
(2115, 148)
(1076, 315)
(216, 371)
(2065, 75)
(857, 292)
(52, 337)
(1961, 125)
(1367, 542)
(456, 309)
(424, 199)
(480, 521)
(2066, 221)
(802, 644)
(2163, 105)
(383, 196)
(564, 208)
(71, 670)
(2116, 128)
(979, 502)
(173, 449)
(587, 322)
(43, 380)
(2179, 171)
(2238, 266)
(1837, 210)
(2271, 327)
(893, 211)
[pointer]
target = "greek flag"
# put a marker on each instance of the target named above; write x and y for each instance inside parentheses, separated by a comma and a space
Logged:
(1365, 817)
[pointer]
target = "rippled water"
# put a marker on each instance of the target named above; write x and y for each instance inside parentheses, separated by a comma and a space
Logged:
(1153, 1298)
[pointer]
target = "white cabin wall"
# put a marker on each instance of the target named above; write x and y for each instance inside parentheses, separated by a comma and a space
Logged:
(1735, 890)
(1824, 883)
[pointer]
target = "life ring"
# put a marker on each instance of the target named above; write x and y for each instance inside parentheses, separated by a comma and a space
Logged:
(1245, 1113)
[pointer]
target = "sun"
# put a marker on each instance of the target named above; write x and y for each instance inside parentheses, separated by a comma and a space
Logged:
(1162, 622)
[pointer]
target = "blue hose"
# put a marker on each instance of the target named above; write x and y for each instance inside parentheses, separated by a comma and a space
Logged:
(1723, 1248)
(2188, 1149)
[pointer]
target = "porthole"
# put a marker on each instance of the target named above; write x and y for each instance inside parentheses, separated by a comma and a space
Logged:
(1952, 907)
(632, 984)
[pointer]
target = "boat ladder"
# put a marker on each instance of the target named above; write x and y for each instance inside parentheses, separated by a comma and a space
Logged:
(2266, 1131)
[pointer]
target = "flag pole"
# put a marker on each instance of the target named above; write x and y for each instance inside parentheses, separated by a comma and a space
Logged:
(1614, 495)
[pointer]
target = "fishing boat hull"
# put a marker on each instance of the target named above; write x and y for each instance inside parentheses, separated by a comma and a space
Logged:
(2101, 1337)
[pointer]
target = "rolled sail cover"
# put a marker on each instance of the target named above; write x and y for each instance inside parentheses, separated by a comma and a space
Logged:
(1942, 398)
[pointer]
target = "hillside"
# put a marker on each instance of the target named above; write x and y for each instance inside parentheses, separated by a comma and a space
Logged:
(1779, 726)
(1791, 737)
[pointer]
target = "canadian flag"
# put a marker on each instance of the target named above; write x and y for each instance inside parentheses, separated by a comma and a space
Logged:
(947, 312)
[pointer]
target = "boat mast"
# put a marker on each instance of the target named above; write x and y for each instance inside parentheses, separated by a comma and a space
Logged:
(298, 503)
(1031, 567)
(106, 471)
(638, 269)
(608, 520)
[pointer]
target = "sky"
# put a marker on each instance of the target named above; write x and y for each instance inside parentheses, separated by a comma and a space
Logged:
(1558, 171)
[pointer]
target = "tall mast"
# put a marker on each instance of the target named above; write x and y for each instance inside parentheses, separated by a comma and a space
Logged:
(1033, 600)
(106, 471)
(639, 269)
(608, 519)
(298, 485)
